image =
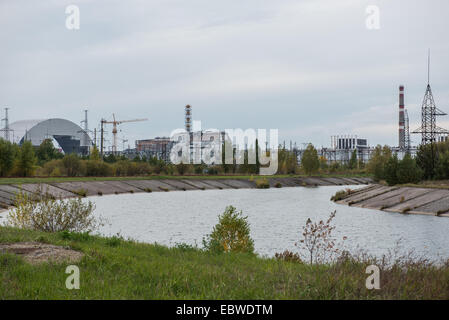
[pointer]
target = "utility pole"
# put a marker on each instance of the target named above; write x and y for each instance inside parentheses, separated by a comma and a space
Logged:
(102, 137)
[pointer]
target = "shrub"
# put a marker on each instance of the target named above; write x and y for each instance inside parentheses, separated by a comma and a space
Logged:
(72, 165)
(98, 168)
(231, 234)
(81, 192)
(52, 168)
(44, 213)
(262, 183)
(278, 185)
(288, 256)
(317, 239)
(340, 195)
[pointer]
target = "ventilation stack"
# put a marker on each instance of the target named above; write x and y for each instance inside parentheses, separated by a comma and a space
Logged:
(188, 123)
(401, 119)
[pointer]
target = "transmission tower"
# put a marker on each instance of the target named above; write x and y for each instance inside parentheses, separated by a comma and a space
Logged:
(6, 129)
(429, 113)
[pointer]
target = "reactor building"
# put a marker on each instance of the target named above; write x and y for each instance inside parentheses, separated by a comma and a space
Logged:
(67, 136)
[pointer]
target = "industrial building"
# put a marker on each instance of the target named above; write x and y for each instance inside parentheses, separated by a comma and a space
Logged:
(67, 136)
(158, 147)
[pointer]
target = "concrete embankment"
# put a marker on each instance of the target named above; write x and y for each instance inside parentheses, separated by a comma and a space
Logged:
(94, 188)
(400, 199)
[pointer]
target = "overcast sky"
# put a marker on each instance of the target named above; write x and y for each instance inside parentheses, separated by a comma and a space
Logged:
(309, 68)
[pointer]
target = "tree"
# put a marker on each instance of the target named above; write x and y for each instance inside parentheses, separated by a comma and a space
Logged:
(379, 158)
(309, 160)
(7, 155)
(391, 169)
(94, 153)
(323, 163)
(231, 234)
(47, 152)
(442, 169)
(26, 159)
(72, 164)
(353, 160)
(408, 171)
(427, 158)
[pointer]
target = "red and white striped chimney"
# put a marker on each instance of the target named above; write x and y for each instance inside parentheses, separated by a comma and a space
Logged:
(401, 118)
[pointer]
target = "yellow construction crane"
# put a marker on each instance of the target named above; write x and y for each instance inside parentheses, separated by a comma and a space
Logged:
(115, 123)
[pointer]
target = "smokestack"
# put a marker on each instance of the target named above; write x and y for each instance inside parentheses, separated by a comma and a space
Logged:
(188, 110)
(401, 119)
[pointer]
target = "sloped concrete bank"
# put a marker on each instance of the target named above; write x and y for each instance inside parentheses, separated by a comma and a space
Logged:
(94, 188)
(408, 200)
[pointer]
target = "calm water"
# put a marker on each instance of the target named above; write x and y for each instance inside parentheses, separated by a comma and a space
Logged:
(276, 217)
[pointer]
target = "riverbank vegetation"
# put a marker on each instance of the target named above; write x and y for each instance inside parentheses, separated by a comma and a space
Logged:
(47, 162)
(225, 268)
(431, 163)
(113, 268)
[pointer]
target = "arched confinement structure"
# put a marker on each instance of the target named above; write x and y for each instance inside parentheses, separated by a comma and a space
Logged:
(70, 137)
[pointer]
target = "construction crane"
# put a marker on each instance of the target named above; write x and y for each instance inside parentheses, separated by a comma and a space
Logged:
(115, 123)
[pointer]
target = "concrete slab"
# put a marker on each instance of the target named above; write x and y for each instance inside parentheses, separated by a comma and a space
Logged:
(159, 185)
(289, 182)
(7, 198)
(180, 185)
(122, 186)
(48, 188)
(358, 197)
(333, 181)
(314, 181)
(75, 187)
(13, 190)
(239, 184)
(349, 181)
(441, 206)
(393, 198)
(420, 201)
(145, 185)
(200, 184)
(217, 184)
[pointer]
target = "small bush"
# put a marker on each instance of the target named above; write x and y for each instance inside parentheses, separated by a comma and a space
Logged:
(262, 183)
(288, 256)
(278, 185)
(317, 239)
(231, 234)
(147, 190)
(81, 193)
(44, 213)
(114, 241)
(75, 236)
(340, 195)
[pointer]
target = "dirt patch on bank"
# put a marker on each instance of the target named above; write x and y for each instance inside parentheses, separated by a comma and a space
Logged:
(36, 253)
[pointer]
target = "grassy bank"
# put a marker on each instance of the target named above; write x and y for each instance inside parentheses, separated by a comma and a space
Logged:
(118, 269)
(21, 180)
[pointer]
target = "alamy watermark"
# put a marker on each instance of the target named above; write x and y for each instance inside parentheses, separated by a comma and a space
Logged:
(72, 21)
(73, 280)
(372, 21)
(373, 281)
(231, 146)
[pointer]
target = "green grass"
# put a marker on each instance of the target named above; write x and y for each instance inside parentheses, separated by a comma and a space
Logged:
(21, 180)
(113, 268)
